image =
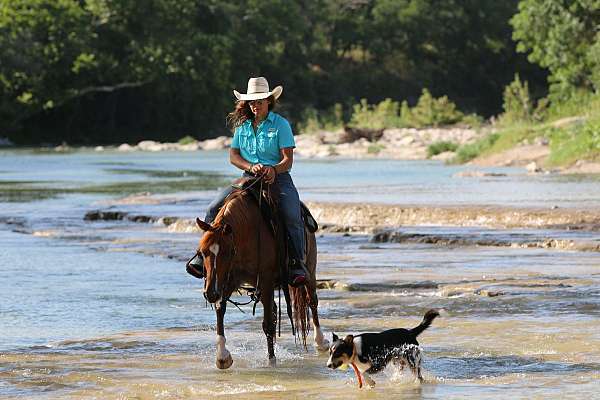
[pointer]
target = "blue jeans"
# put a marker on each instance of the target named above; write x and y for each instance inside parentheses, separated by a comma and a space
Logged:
(289, 205)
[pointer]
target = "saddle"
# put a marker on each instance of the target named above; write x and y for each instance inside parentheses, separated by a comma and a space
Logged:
(268, 204)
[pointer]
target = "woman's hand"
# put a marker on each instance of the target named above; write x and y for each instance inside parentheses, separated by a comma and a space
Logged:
(270, 174)
(257, 169)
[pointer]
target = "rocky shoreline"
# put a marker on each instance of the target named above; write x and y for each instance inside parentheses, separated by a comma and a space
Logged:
(367, 217)
(397, 224)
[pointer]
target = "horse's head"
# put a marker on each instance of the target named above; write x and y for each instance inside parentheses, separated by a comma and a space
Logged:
(217, 249)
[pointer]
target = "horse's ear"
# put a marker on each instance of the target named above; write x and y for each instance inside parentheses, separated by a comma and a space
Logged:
(227, 229)
(335, 337)
(348, 339)
(203, 225)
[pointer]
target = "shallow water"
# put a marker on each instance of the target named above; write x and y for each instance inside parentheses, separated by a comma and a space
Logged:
(105, 310)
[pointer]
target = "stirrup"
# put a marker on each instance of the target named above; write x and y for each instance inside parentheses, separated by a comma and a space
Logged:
(195, 269)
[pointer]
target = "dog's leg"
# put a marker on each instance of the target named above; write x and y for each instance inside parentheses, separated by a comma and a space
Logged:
(368, 380)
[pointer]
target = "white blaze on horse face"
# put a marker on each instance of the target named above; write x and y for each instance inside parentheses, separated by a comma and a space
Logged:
(214, 248)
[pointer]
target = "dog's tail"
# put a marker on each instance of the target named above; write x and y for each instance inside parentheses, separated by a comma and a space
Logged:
(427, 320)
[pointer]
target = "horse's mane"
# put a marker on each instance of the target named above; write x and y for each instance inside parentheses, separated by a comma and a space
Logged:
(234, 212)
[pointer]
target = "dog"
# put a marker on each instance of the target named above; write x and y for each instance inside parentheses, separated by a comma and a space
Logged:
(370, 353)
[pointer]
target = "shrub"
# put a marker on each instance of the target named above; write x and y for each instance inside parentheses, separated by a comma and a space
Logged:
(582, 142)
(380, 116)
(517, 102)
(470, 151)
(375, 148)
(430, 111)
(440, 147)
(313, 121)
(186, 140)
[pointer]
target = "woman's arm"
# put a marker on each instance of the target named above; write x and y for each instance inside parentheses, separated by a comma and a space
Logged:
(287, 159)
(236, 159)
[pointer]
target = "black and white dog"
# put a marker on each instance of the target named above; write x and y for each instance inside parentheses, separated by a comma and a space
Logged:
(371, 352)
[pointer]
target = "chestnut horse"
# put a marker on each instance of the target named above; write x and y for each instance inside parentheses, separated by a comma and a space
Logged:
(239, 249)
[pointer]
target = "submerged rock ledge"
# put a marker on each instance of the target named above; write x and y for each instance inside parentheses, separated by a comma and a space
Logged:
(367, 217)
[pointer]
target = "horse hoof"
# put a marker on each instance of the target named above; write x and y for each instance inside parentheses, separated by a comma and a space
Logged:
(226, 363)
(323, 346)
(272, 362)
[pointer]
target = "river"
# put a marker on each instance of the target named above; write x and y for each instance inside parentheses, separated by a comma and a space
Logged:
(104, 309)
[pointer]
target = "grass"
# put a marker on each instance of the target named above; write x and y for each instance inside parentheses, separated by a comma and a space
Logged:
(186, 140)
(375, 148)
(577, 140)
(440, 147)
(470, 151)
(581, 142)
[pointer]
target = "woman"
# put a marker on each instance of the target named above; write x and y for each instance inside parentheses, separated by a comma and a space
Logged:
(263, 144)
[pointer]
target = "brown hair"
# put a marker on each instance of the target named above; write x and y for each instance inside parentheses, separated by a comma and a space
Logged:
(242, 112)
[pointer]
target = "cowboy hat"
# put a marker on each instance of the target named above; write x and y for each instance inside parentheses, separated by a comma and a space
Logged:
(258, 88)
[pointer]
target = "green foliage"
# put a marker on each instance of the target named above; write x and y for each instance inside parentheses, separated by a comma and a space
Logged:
(440, 147)
(379, 116)
(430, 111)
(561, 36)
(186, 140)
(469, 151)
(570, 145)
(123, 70)
(313, 121)
(375, 148)
(517, 104)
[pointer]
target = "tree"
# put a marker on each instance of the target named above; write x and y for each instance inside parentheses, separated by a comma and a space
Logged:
(563, 37)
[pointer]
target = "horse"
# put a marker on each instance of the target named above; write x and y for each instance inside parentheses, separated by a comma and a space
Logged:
(239, 248)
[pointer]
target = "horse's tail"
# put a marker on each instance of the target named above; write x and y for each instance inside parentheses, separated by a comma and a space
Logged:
(300, 312)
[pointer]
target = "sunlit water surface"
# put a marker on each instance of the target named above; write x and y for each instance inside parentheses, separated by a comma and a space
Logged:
(105, 309)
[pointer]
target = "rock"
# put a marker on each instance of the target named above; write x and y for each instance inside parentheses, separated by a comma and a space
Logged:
(219, 143)
(406, 140)
(150, 145)
(444, 156)
(326, 284)
(125, 147)
(104, 215)
(62, 147)
(329, 137)
(352, 134)
(533, 168)
(166, 220)
(477, 174)
(189, 147)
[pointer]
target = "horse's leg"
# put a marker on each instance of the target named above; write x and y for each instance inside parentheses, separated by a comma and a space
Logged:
(224, 359)
(269, 321)
(321, 343)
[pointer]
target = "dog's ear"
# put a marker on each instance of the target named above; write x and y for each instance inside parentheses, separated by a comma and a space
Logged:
(335, 337)
(348, 339)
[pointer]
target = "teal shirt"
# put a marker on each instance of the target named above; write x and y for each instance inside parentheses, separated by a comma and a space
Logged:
(263, 147)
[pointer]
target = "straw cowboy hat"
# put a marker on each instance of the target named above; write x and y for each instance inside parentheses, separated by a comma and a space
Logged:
(258, 88)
